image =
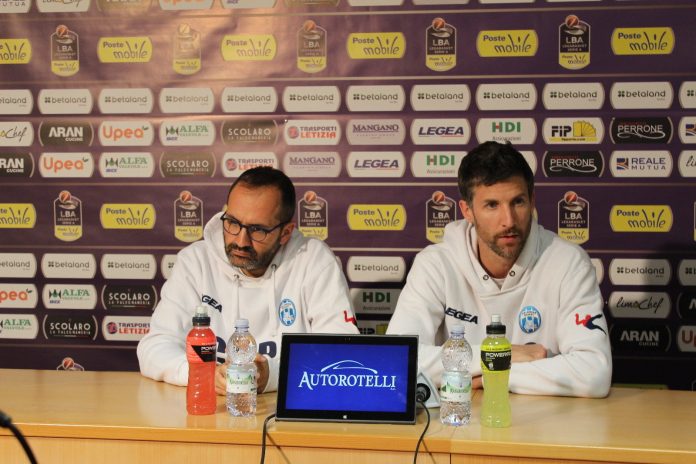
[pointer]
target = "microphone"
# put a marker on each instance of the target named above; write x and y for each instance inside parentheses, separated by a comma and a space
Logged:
(426, 392)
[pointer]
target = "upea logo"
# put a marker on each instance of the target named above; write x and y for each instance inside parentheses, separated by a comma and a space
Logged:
(642, 41)
(125, 328)
(641, 95)
(63, 296)
(506, 97)
(249, 47)
(249, 99)
(573, 96)
(22, 296)
(376, 268)
(124, 49)
(499, 44)
(376, 45)
(518, 131)
(312, 132)
(580, 131)
(687, 163)
(128, 266)
(454, 97)
(626, 163)
(18, 265)
(376, 164)
(167, 264)
(686, 338)
(62, 6)
(17, 216)
(381, 98)
(436, 163)
(641, 305)
(126, 101)
(16, 101)
(687, 95)
(175, 5)
(235, 163)
(63, 165)
(68, 265)
(376, 217)
(641, 218)
(19, 326)
(15, 51)
(311, 99)
(126, 165)
(15, 6)
(16, 134)
(440, 131)
(65, 101)
(312, 164)
(639, 271)
(374, 300)
(687, 272)
(186, 133)
(375, 131)
(127, 216)
(687, 129)
(186, 100)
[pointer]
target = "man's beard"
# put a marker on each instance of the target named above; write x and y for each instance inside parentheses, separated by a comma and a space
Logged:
(255, 261)
(507, 253)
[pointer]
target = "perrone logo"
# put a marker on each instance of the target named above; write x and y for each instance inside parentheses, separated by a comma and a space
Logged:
(641, 218)
(641, 130)
(376, 217)
(356, 375)
(573, 164)
(642, 41)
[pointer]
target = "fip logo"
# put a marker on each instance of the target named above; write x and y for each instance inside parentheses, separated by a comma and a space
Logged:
(376, 217)
(641, 218)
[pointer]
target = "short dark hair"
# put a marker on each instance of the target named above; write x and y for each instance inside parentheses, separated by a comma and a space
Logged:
(490, 163)
(266, 176)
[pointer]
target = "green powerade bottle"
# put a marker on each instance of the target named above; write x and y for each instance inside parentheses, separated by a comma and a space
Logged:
(496, 357)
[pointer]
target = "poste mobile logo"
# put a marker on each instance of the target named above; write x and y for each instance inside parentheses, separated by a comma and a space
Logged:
(376, 268)
(124, 49)
(376, 217)
(377, 45)
(127, 216)
(15, 51)
(17, 216)
(499, 44)
(128, 266)
(18, 265)
(249, 47)
(642, 41)
(641, 218)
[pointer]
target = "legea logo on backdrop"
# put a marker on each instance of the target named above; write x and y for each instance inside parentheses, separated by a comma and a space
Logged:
(68, 265)
(18, 265)
(506, 97)
(347, 373)
(186, 100)
(376, 268)
(440, 131)
(126, 266)
(19, 326)
(65, 101)
(642, 305)
(19, 101)
(376, 164)
(126, 101)
(641, 95)
(375, 98)
(249, 99)
(317, 99)
(66, 165)
(455, 97)
(63, 296)
(639, 271)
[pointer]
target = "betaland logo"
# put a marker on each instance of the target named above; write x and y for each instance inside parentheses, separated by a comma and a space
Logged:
(68, 265)
(375, 98)
(249, 99)
(641, 95)
(506, 97)
(624, 271)
(573, 96)
(66, 133)
(357, 375)
(126, 101)
(16, 101)
(687, 272)
(318, 99)
(16, 134)
(17, 265)
(65, 101)
(186, 100)
(507, 43)
(128, 266)
(76, 326)
(376, 45)
(376, 268)
(648, 305)
(641, 218)
(455, 97)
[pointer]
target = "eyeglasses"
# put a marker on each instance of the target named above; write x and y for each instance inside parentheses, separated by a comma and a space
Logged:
(256, 233)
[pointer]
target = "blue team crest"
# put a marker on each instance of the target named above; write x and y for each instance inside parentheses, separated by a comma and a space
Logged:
(287, 312)
(530, 319)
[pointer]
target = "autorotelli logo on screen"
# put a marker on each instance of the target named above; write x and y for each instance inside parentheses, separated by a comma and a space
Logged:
(356, 375)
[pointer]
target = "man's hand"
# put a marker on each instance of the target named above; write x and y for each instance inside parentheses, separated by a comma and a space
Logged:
(262, 372)
(526, 353)
(221, 379)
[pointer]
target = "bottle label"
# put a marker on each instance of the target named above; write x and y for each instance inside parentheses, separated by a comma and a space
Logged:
(240, 381)
(456, 387)
(201, 353)
(496, 358)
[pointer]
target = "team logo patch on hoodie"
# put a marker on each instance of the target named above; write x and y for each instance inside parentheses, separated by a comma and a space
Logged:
(530, 319)
(287, 312)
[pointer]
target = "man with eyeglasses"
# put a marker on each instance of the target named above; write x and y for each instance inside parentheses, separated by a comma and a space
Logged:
(251, 264)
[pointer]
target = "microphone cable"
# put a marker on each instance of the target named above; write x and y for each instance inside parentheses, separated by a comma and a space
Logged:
(422, 395)
(263, 437)
(6, 422)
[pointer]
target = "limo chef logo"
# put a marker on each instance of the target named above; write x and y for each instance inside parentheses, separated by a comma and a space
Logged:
(125, 165)
(376, 217)
(313, 215)
(639, 338)
(529, 319)
(188, 217)
(127, 216)
(19, 326)
(574, 218)
(128, 266)
(642, 41)
(574, 43)
(311, 47)
(62, 6)
(644, 305)
(67, 217)
(453, 97)
(17, 216)
(641, 218)
(15, 101)
(312, 164)
(588, 321)
(68, 265)
(131, 297)
(16, 134)
(315, 99)
(641, 130)
(249, 99)
(18, 265)
(235, 163)
(440, 210)
(440, 46)
(355, 375)
(573, 164)
(573, 96)
(124, 6)
(75, 327)
(376, 164)
(65, 52)
(498, 44)
(287, 313)
(124, 49)
(376, 268)
(249, 47)
(249, 131)
(15, 51)
(66, 134)
(436, 164)
(375, 98)
(186, 50)
(69, 364)
(16, 164)
(63, 296)
(18, 296)
(66, 164)
(187, 164)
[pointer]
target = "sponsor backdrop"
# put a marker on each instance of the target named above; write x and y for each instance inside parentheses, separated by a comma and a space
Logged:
(123, 122)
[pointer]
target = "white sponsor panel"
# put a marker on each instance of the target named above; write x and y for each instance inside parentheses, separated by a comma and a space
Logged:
(16, 134)
(636, 163)
(235, 163)
(18, 326)
(375, 131)
(687, 163)
(426, 97)
(686, 338)
(506, 97)
(126, 101)
(173, 5)
(18, 265)
(63, 6)
(312, 132)
(440, 131)
(65, 101)
(375, 2)
(68, 265)
(126, 165)
(69, 296)
(573, 131)
(249, 100)
(240, 4)
(518, 131)
(125, 328)
(16, 101)
(530, 157)
(311, 99)
(167, 264)
(641, 95)
(687, 95)
(381, 98)
(641, 305)
(128, 266)
(376, 268)
(126, 133)
(687, 272)
(573, 96)
(376, 164)
(15, 6)
(72, 165)
(374, 300)
(186, 100)
(187, 133)
(639, 271)
(687, 129)
(24, 296)
(599, 269)
(312, 164)
(436, 163)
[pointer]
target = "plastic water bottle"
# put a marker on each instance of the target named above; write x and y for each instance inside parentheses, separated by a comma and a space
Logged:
(496, 356)
(455, 392)
(201, 347)
(241, 371)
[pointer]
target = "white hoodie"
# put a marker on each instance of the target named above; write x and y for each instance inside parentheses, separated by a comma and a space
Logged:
(303, 290)
(550, 297)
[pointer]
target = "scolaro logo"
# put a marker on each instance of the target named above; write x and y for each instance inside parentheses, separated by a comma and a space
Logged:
(357, 375)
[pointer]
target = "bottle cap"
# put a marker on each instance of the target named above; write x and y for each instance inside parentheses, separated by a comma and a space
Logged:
(241, 324)
(457, 329)
(200, 317)
(495, 327)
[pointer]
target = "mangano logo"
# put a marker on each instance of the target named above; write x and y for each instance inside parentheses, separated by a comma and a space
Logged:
(381, 98)
(187, 100)
(382, 217)
(63, 6)
(641, 95)
(316, 99)
(626, 163)
(128, 266)
(506, 97)
(639, 271)
(167, 264)
(186, 133)
(66, 133)
(16, 164)
(580, 131)
(642, 41)
(22, 296)
(126, 165)
(18, 326)
(687, 95)
(16, 101)
(440, 131)
(687, 272)
(687, 129)
(573, 96)
(312, 132)
(68, 265)
(124, 49)
(639, 305)
(376, 45)
(344, 373)
(686, 338)
(312, 164)
(175, 5)
(376, 164)
(376, 268)
(641, 218)
(249, 47)
(64, 296)
(452, 97)
(436, 163)
(16, 134)
(376, 131)
(634, 338)
(518, 131)
(507, 43)
(374, 300)
(63, 165)
(18, 265)
(127, 216)
(17, 216)
(126, 101)
(249, 100)
(687, 163)
(65, 101)
(235, 163)
(15, 6)
(125, 328)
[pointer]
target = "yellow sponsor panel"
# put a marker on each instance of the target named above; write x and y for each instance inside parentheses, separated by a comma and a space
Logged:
(124, 49)
(17, 216)
(495, 44)
(322, 233)
(378, 45)
(641, 218)
(376, 217)
(188, 234)
(577, 236)
(642, 41)
(249, 47)
(127, 216)
(15, 51)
